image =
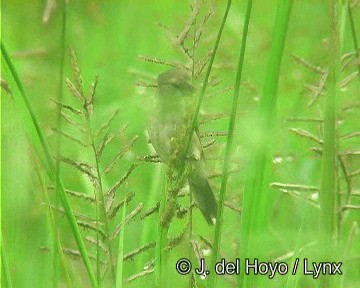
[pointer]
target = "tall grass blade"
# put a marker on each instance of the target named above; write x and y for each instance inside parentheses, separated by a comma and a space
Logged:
(327, 181)
(120, 263)
(206, 79)
(328, 197)
(56, 247)
(225, 172)
(353, 33)
(57, 255)
(257, 199)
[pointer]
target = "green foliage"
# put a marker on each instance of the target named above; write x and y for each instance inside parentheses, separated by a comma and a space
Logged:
(283, 165)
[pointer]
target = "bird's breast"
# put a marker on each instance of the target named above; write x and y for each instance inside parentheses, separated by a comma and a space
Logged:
(163, 133)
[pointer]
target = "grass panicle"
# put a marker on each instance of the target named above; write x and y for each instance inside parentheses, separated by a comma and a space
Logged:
(284, 170)
(97, 141)
(51, 168)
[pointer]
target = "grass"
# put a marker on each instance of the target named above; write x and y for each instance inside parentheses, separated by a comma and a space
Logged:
(5, 267)
(353, 30)
(120, 263)
(327, 185)
(57, 252)
(257, 200)
(57, 248)
(83, 180)
(229, 143)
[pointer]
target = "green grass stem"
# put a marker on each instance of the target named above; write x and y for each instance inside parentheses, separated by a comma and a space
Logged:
(206, 80)
(52, 223)
(155, 187)
(100, 208)
(161, 243)
(120, 262)
(228, 150)
(353, 33)
(60, 97)
(257, 199)
(328, 168)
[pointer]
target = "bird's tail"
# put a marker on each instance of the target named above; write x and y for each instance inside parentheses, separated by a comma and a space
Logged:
(202, 193)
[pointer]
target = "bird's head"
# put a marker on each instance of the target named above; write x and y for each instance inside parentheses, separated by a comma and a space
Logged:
(174, 83)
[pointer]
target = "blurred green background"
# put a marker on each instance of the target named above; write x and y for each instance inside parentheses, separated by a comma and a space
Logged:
(108, 37)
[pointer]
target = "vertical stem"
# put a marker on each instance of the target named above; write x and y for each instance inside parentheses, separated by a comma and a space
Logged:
(225, 173)
(120, 262)
(58, 140)
(100, 204)
(161, 242)
(190, 195)
(1, 241)
(327, 182)
(257, 199)
(147, 232)
(206, 80)
(98, 252)
(53, 226)
(328, 166)
(353, 33)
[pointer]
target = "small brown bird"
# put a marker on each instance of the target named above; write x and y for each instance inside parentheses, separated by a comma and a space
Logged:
(171, 115)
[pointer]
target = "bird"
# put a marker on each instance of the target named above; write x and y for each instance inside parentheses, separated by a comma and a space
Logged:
(169, 123)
